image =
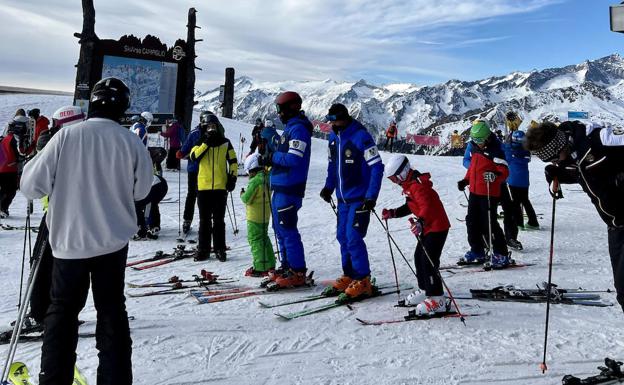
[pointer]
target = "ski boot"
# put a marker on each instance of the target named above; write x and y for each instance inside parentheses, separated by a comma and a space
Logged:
(141, 235)
(4, 214)
(251, 272)
(499, 261)
(472, 258)
(186, 227)
(152, 233)
(359, 288)
(221, 255)
(413, 299)
(291, 279)
(272, 275)
(432, 305)
(514, 244)
(338, 286)
(201, 255)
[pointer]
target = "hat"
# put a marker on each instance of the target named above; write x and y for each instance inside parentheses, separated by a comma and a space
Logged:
(545, 141)
(480, 131)
(337, 111)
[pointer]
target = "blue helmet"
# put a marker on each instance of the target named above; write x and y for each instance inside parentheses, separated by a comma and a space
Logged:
(517, 139)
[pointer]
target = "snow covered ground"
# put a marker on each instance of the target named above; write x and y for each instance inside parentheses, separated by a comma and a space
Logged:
(177, 341)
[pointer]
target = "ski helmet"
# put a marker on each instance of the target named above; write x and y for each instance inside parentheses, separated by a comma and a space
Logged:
(397, 168)
(480, 131)
(252, 162)
(269, 123)
(337, 111)
(66, 116)
(288, 101)
(135, 119)
(110, 98)
(19, 125)
(147, 117)
(258, 121)
(34, 113)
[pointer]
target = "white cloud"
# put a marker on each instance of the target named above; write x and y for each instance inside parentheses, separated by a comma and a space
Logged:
(267, 40)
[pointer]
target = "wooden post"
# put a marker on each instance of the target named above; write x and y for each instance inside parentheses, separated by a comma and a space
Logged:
(228, 99)
(189, 91)
(88, 41)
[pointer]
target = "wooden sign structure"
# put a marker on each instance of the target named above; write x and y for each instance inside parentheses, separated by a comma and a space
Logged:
(161, 79)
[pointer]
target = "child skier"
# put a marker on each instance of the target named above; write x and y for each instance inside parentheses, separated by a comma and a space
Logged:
(431, 227)
(487, 171)
(256, 199)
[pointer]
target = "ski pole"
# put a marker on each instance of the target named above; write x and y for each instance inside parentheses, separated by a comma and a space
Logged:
(227, 207)
(394, 242)
(459, 312)
(26, 237)
(234, 214)
(556, 195)
(179, 204)
(17, 328)
(489, 262)
(396, 275)
(333, 206)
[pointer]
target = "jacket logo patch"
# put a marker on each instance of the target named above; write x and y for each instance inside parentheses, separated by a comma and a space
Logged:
(372, 152)
(348, 153)
(295, 144)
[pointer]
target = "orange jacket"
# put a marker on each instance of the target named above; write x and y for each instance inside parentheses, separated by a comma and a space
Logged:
(391, 132)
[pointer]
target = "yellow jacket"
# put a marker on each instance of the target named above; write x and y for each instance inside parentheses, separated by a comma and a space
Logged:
(217, 160)
(256, 199)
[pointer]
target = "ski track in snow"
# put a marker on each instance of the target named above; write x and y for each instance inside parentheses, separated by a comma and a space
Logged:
(178, 341)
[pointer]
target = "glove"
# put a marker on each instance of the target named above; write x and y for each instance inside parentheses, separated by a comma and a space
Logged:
(266, 159)
(387, 214)
(461, 185)
(231, 183)
(326, 194)
(242, 191)
(369, 204)
(551, 172)
(489, 176)
(179, 154)
(416, 226)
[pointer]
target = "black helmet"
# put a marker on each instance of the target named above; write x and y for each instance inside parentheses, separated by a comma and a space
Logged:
(34, 113)
(110, 98)
(18, 126)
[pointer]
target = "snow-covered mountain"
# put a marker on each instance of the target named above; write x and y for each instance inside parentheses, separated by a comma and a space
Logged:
(595, 86)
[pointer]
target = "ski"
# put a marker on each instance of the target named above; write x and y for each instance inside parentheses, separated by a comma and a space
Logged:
(407, 318)
(19, 374)
(215, 292)
(8, 227)
(471, 268)
(221, 297)
(341, 301)
(204, 277)
(611, 373)
(317, 297)
(34, 337)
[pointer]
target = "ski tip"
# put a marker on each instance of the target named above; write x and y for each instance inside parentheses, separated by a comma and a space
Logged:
(363, 322)
(264, 305)
(283, 317)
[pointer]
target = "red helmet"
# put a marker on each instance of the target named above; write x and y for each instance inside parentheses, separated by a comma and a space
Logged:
(289, 99)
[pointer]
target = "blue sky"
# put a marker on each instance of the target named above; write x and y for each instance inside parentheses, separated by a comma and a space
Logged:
(382, 41)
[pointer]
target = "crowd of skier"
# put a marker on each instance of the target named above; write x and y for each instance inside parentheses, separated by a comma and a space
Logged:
(83, 237)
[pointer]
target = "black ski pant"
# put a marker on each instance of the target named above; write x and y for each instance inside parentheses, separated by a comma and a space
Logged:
(191, 197)
(391, 140)
(70, 287)
(212, 206)
(616, 252)
(426, 274)
(8, 189)
(510, 221)
(477, 225)
(520, 197)
(172, 162)
(40, 297)
(150, 204)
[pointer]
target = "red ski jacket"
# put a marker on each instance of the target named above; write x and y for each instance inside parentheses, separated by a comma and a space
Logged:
(480, 164)
(424, 202)
(8, 154)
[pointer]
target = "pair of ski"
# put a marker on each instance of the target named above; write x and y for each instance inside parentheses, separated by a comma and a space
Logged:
(611, 373)
(161, 258)
(480, 266)
(20, 375)
(176, 286)
(557, 296)
(8, 227)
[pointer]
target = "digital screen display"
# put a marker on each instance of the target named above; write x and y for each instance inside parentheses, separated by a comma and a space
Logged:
(152, 83)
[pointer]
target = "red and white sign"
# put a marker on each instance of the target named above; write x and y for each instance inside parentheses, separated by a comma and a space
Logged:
(424, 140)
(322, 126)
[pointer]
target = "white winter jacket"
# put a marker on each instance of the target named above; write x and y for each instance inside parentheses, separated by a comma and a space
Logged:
(93, 172)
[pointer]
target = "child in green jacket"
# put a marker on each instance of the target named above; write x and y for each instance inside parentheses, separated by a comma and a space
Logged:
(257, 199)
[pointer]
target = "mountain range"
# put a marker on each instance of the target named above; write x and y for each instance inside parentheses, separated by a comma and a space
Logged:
(596, 86)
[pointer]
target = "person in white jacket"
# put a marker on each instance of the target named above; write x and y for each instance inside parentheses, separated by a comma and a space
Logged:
(93, 172)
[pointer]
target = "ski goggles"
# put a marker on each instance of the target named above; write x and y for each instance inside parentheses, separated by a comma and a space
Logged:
(478, 141)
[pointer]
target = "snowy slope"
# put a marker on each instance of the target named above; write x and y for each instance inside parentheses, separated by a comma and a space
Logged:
(177, 341)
